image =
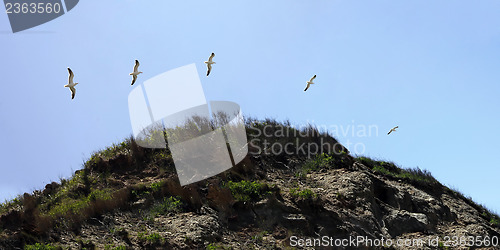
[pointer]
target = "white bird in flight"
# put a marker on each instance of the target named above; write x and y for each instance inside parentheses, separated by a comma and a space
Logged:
(209, 63)
(70, 84)
(136, 72)
(393, 130)
(310, 82)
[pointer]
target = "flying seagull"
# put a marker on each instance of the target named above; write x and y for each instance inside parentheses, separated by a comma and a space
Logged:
(136, 72)
(310, 82)
(70, 84)
(209, 63)
(393, 130)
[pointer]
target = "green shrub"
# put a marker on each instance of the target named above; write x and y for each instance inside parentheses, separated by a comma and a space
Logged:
(140, 191)
(39, 246)
(112, 247)
(367, 161)
(389, 168)
(247, 191)
(304, 194)
(170, 204)
(7, 205)
(495, 221)
(153, 238)
(442, 246)
(259, 236)
(211, 247)
(382, 170)
(115, 149)
(487, 214)
(141, 236)
(100, 194)
(318, 162)
(75, 206)
(155, 187)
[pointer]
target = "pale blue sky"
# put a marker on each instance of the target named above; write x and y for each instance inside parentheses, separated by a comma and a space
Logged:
(431, 67)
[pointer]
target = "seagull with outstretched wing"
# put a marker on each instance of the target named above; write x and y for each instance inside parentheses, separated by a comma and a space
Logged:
(310, 82)
(70, 84)
(209, 63)
(392, 130)
(136, 72)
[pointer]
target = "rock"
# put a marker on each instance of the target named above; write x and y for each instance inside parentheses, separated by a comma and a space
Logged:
(50, 188)
(203, 228)
(401, 222)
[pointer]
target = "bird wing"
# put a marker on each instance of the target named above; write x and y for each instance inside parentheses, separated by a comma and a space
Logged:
(390, 131)
(134, 77)
(307, 86)
(209, 69)
(73, 91)
(312, 78)
(136, 66)
(71, 75)
(211, 57)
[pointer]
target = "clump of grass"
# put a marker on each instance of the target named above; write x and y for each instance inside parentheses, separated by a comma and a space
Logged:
(390, 169)
(170, 204)
(15, 203)
(495, 221)
(87, 244)
(418, 175)
(272, 132)
(259, 236)
(75, 206)
(141, 191)
(152, 239)
(303, 194)
(39, 246)
(248, 191)
(156, 186)
(211, 246)
(318, 162)
(488, 215)
(367, 161)
(112, 247)
(115, 149)
(110, 152)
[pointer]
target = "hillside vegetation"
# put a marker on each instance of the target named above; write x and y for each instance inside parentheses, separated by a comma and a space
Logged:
(129, 197)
